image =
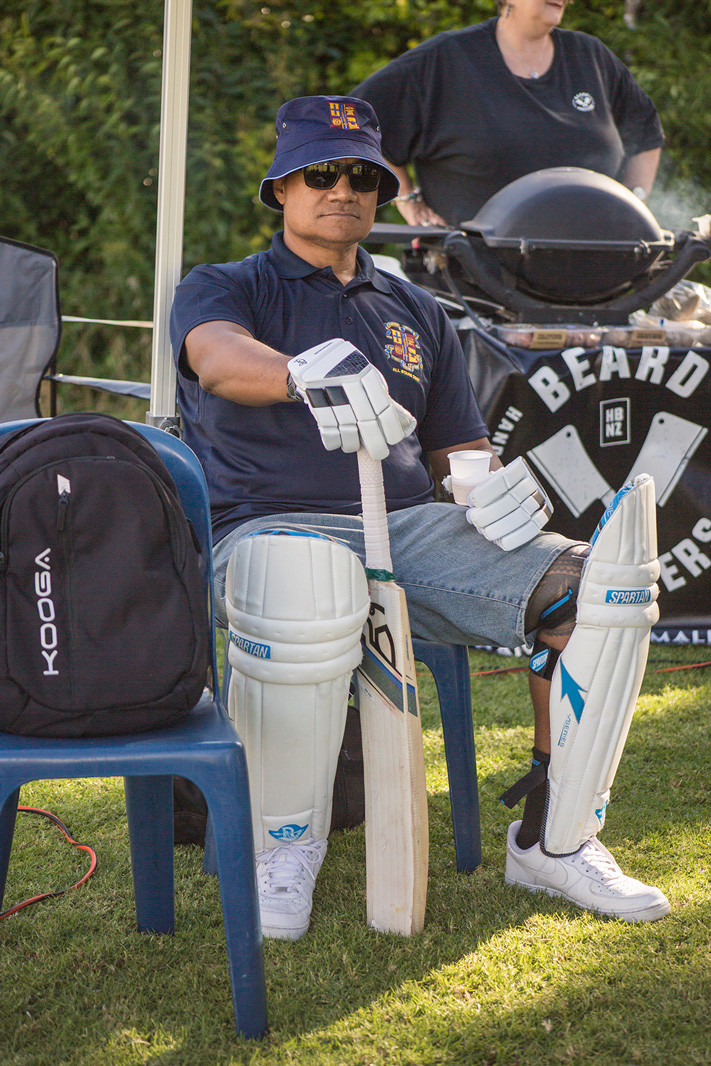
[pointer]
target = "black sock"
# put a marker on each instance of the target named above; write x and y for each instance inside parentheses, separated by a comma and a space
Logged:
(530, 829)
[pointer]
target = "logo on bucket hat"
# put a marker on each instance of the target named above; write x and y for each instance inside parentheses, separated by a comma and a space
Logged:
(318, 129)
(343, 115)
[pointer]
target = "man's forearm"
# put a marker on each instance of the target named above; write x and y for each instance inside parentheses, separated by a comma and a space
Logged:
(231, 363)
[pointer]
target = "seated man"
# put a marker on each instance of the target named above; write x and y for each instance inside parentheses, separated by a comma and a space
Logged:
(236, 328)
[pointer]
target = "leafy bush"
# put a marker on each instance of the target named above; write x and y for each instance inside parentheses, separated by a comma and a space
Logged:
(80, 108)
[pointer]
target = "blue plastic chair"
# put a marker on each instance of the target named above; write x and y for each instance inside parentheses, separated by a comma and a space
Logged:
(449, 666)
(202, 747)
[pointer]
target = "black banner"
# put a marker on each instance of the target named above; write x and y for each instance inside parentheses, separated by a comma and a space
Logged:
(587, 419)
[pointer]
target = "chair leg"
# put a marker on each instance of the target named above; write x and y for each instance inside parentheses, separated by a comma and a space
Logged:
(230, 815)
(149, 808)
(449, 665)
(8, 815)
(209, 859)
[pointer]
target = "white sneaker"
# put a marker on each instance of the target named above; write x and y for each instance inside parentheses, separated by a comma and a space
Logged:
(590, 878)
(286, 876)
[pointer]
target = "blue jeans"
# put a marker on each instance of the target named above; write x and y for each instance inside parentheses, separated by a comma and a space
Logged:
(460, 588)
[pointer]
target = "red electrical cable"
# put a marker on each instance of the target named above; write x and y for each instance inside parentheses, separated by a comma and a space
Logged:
(505, 670)
(688, 666)
(79, 847)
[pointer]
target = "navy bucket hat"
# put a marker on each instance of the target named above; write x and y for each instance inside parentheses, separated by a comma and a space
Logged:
(317, 129)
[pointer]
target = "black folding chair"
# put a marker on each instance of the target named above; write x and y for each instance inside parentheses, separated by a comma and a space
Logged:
(30, 328)
(30, 333)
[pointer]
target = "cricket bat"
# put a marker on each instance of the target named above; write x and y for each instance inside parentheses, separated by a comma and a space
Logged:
(396, 827)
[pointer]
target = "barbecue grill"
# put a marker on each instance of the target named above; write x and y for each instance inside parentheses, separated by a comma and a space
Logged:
(558, 245)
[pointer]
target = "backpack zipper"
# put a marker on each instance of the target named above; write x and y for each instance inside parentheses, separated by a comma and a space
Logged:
(62, 507)
(64, 499)
(64, 489)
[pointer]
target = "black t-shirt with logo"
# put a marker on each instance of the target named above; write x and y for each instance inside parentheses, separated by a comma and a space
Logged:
(453, 108)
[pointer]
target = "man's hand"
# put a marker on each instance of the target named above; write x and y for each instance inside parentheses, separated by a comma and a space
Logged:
(349, 399)
(511, 506)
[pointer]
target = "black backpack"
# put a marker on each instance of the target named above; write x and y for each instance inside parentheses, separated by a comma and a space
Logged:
(103, 619)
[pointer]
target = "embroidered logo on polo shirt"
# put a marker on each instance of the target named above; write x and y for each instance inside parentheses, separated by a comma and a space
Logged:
(343, 116)
(583, 102)
(404, 350)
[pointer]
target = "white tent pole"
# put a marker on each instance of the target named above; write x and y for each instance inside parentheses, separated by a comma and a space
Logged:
(175, 93)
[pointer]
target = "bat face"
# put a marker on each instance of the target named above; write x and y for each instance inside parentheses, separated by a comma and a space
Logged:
(397, 839)
(389, 668)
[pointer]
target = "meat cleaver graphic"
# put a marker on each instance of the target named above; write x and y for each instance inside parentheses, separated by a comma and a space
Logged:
(565, 463)
(669, 445)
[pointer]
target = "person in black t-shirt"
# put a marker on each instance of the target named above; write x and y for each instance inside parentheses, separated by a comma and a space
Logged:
(476, 108)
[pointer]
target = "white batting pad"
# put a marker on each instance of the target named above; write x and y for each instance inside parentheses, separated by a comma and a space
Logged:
(599, 674)
(296, 604)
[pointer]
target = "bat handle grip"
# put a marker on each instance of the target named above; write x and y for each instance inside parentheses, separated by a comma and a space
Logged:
(375, 518)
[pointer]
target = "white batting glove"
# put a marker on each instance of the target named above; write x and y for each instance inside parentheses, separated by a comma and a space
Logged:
(510, 507)
(349, 399)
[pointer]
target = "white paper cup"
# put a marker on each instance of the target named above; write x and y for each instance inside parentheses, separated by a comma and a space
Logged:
(468, 469)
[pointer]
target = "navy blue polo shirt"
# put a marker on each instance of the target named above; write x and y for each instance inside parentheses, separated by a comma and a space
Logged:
(269, 460)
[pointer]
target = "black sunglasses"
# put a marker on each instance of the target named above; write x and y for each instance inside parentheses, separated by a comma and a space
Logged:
(363, 177)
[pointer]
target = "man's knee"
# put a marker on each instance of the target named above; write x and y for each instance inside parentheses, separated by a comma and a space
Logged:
(551, 609)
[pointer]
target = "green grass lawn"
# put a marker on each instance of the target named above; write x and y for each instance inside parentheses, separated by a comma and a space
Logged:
(498, 976)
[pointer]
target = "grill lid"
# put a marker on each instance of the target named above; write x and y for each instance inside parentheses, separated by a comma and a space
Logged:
(568, 234)
(566, 207)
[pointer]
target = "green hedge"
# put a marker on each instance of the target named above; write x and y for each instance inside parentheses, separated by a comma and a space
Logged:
(80, 103)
